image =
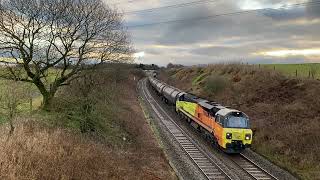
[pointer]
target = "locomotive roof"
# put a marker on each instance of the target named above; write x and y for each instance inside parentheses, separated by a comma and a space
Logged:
(226, 111)
(211, 105)
(206, 105)
(195, 98)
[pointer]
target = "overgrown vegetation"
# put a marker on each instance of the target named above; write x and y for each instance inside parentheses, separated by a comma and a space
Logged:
(284, 111)
(94, 129)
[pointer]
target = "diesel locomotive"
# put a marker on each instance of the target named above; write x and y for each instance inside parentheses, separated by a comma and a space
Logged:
(228, 128)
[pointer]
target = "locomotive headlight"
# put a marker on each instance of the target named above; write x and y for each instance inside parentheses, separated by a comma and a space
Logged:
(229, 135)
(248, 136)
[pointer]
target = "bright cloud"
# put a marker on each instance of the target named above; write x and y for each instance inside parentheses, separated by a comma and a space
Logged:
(293, 52)
(139, 54)
(254, 4)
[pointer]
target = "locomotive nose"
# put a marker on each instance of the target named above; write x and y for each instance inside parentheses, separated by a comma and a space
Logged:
(237, 134)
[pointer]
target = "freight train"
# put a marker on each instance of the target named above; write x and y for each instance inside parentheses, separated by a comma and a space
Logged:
(228, 128)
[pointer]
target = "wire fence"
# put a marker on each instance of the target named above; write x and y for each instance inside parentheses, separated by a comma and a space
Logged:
(311, 71)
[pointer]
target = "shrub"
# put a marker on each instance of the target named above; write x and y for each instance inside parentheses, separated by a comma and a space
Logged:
(236, 78)
(215, 84)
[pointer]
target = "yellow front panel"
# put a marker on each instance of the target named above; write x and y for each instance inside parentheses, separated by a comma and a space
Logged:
(189, 107)
(237, 134)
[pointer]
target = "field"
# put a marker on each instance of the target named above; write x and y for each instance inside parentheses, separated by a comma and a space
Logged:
(302, 70)
(283, 110)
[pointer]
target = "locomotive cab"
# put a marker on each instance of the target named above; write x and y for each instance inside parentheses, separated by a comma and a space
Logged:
(235, 134)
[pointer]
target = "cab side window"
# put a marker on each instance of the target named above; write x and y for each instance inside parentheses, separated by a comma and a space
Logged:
(217, 118)
(220, 119)
(181, 98)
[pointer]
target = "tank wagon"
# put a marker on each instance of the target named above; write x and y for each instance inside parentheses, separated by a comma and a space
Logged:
(228, 128)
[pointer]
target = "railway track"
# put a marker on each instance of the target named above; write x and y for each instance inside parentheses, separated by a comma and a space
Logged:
(207, 166)
(253, 169)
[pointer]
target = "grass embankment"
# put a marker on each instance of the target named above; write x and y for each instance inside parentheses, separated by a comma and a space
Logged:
(95, 129)
(308, 70)
(284, 111)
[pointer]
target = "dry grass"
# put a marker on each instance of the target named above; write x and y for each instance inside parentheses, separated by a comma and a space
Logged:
(284, 111)
(35, 151)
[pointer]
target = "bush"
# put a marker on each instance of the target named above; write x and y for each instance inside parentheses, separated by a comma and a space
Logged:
(215, 84)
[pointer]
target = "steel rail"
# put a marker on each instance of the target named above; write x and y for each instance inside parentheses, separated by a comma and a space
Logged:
(252, 168)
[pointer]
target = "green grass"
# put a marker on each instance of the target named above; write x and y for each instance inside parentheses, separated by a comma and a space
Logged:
(2, 119)
(308, 171)
(290, 69)
(199, 78)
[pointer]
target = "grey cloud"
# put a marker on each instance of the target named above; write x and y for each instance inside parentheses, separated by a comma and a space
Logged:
(153, 51)
(313, 9)
(198, 29)
(310, 11)
(248, 25)
(285, 14)
(218, 51)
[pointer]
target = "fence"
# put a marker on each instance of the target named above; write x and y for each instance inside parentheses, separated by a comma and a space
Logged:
(311, 71)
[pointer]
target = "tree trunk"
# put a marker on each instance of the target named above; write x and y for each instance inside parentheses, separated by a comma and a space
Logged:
(11, 117)
(47, 99)
(47, 95)
(11, 127)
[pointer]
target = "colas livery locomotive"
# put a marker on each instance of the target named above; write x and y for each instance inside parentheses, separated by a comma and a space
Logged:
(226, 127)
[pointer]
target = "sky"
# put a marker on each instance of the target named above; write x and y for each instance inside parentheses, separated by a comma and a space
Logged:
(211, 31)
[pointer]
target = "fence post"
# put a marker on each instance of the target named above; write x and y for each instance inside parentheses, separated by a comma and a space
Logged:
(274, 67)
(309, 73)
(296, 72)
(259, 66)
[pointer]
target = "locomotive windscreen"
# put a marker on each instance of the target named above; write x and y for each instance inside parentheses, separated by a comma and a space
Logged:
(236, 120)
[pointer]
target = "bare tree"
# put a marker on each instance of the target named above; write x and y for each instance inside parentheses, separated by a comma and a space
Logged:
(51, 42)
